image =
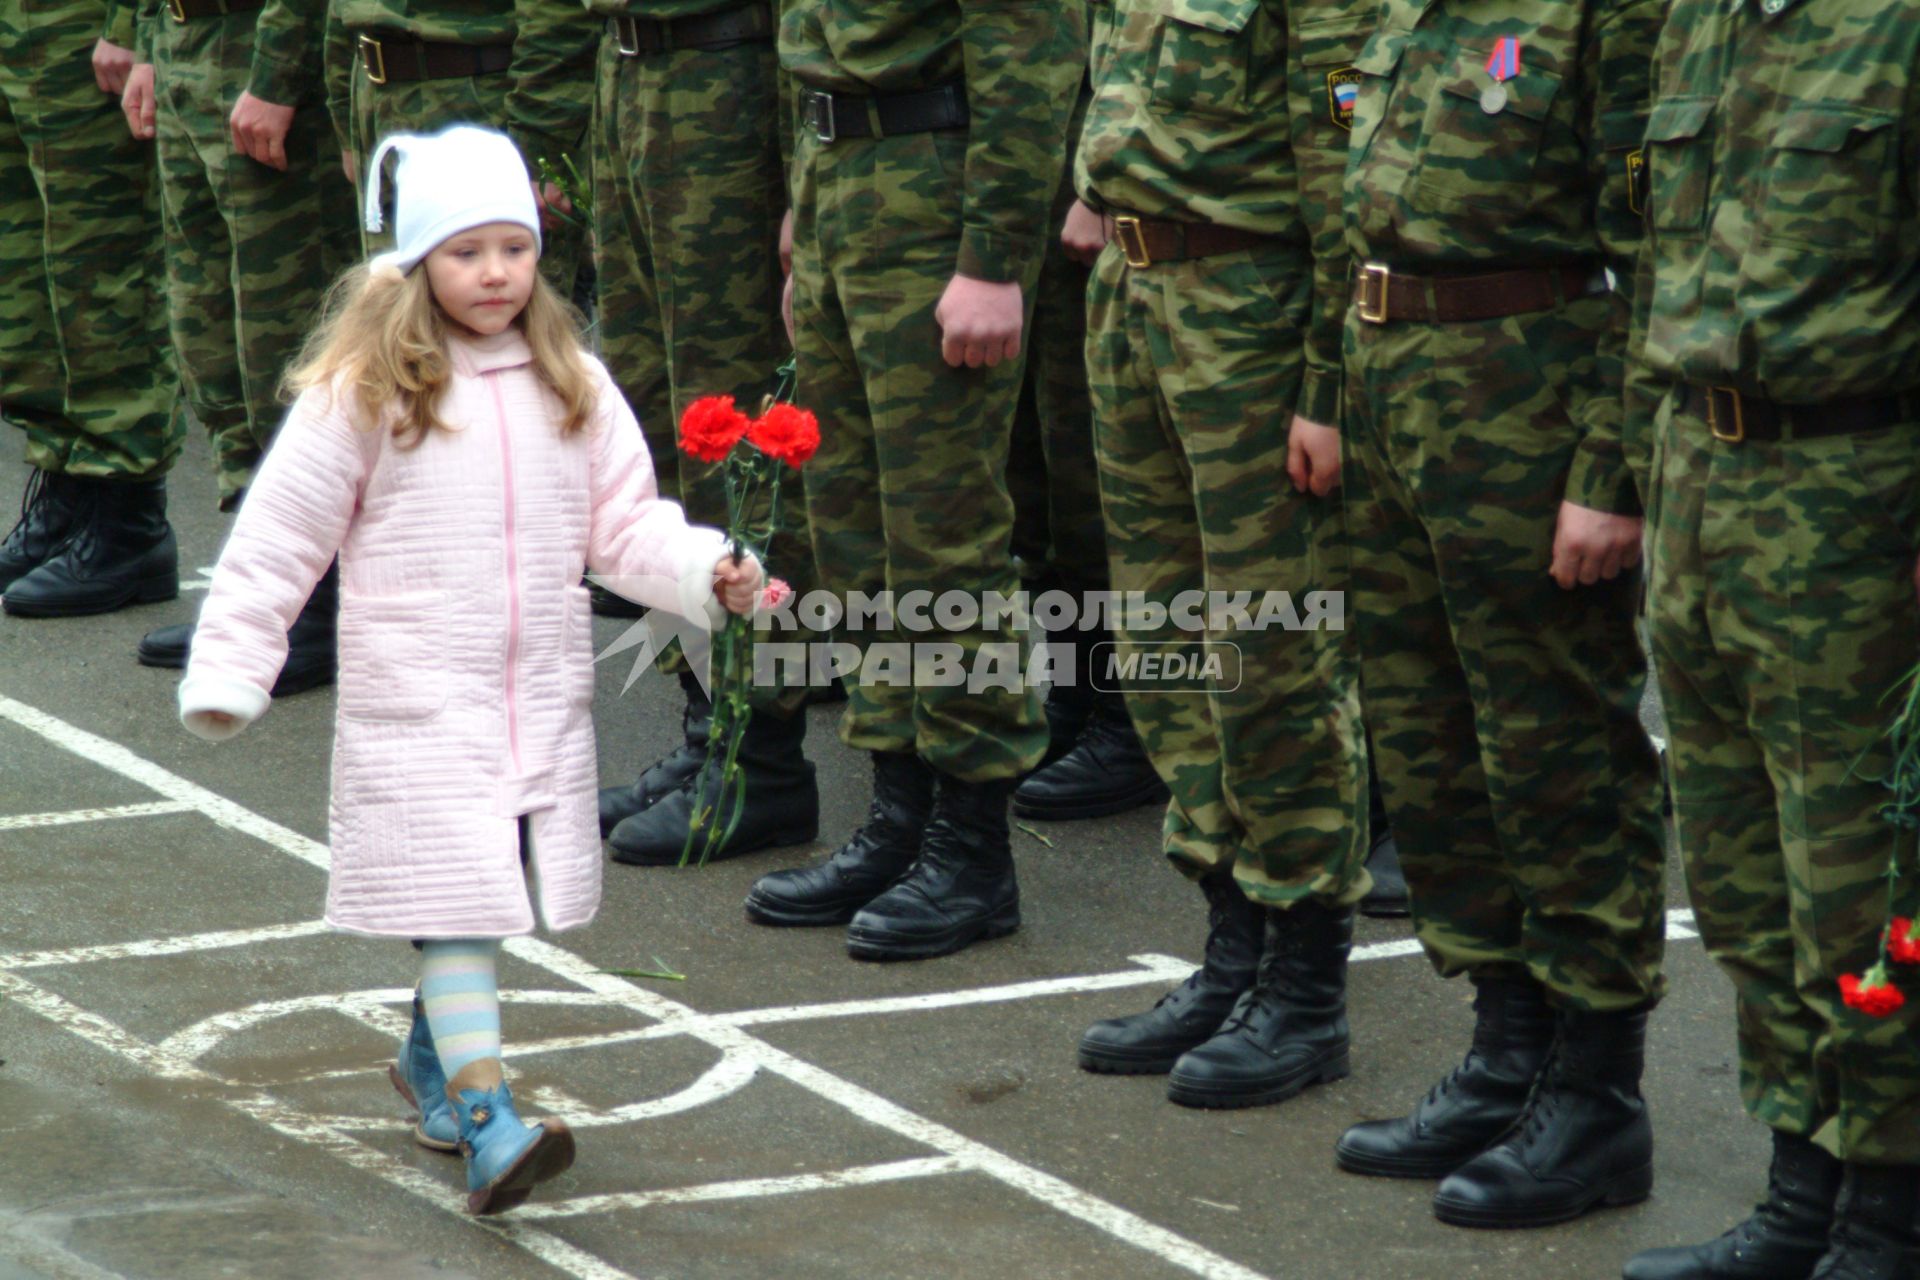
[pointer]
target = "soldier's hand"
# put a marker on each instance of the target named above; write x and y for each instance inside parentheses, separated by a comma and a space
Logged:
(350, 166)
(980, 322)
(786, 242)
(110, 66)
(552, 202)
(136, 100)
(1590, 545)
(1313, 456)
(259, 130)
(786, 308)
(1084, 234)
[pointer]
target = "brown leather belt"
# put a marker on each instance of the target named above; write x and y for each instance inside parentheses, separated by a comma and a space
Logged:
(1146, 241)
(393, 57)
(188, 10)
(1382, 295)
(748, 24)
(1734, 417)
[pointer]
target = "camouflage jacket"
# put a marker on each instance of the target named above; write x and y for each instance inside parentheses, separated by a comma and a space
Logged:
(553, 49)
(1438, 183)
(1023, 62)
(1783, 163)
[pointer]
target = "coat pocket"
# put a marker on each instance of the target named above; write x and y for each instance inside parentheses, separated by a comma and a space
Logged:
(393, 656)
(1679, 159)
(1206, 61)
(1832, 180)
(1476, 157)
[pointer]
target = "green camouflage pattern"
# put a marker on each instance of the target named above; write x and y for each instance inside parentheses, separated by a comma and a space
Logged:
(1518, 779)
(908, 491)
(1439, 185)
(250, 250)
(690, 198)
(1020, 61)
(1326, 37)
(1193, 367)
(1783, 174)
(1781, 578)
(85, 367)
(1783, 611)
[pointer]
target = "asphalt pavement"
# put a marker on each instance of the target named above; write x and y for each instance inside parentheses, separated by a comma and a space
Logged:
(192, 1069)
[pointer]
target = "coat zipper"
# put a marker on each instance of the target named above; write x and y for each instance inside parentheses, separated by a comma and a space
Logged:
(513, 577)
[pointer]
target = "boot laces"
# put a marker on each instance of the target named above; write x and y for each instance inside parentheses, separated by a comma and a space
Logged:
(35, 494)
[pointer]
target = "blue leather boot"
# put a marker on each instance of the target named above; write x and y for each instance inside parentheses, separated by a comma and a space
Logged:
(417, 1076)
(506, 1156)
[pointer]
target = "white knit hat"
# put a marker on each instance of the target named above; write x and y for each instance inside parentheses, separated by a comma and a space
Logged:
(448, 182)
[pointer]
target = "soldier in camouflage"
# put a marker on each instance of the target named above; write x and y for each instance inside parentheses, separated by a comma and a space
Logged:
(1489, 199)
(1782, 302)
(690, 196)
(1197, 325)
(84, 368)
(928, 155)
(258, 221)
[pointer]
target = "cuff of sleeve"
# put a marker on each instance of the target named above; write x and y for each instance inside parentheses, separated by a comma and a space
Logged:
(277, 82)
(994, 257)
(698, 604)
(1601, 481)
(119, 28)
(1320, 396)
(201, 694)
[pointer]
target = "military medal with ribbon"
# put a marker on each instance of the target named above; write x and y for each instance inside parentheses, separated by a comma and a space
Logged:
(1502, 66)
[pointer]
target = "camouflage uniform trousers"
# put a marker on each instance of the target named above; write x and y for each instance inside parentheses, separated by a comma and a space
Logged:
(250, 250)
(908, 491)
(1504, 710)
(428, 106)
(84, 364)
(1193, 368)
(1783, 612)
(688, 199)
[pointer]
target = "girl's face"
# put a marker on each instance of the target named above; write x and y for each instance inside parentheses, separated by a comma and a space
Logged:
(482, 278)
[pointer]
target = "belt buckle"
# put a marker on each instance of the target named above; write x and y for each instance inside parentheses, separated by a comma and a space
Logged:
(626, 36)
(177, 10)
(1133, 241)
(370, 54)
(820, 116)
(1739, 429)
(1372, 305)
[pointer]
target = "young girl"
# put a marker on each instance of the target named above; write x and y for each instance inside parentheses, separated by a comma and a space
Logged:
(465, 459)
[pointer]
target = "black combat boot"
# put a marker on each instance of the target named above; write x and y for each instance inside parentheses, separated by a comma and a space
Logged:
(122, 553)
(1288, 1030)
(669, 773)
(1107, 771)
(860, 870)
(53, 507)
(1187, 1016)
(312, 654)
(1784, 1239)
(961, 887)
(1875, 1232)
(1069, 702)
(1584, 1141)
(1476, 1104)
(1388, 899)
(782, 801)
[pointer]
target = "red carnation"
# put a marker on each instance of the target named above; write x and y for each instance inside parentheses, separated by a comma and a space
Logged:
(710, 428)
(787, 433)
(1902, 946)
(1874, 997)
(776, 593)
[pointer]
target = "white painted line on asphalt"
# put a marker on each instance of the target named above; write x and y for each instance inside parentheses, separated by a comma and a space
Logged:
(150, 947)
(749, 1188)
(21, 821)
(871, 1107)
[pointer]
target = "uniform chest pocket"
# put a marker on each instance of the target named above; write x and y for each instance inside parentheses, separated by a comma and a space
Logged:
(1205, 64)
(1474, 154)
(392, 656)
(1329, 53)
(1679, 159)
(1832, 180)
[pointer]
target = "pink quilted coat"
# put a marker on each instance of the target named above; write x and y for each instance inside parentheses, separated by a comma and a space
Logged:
(466, 678)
